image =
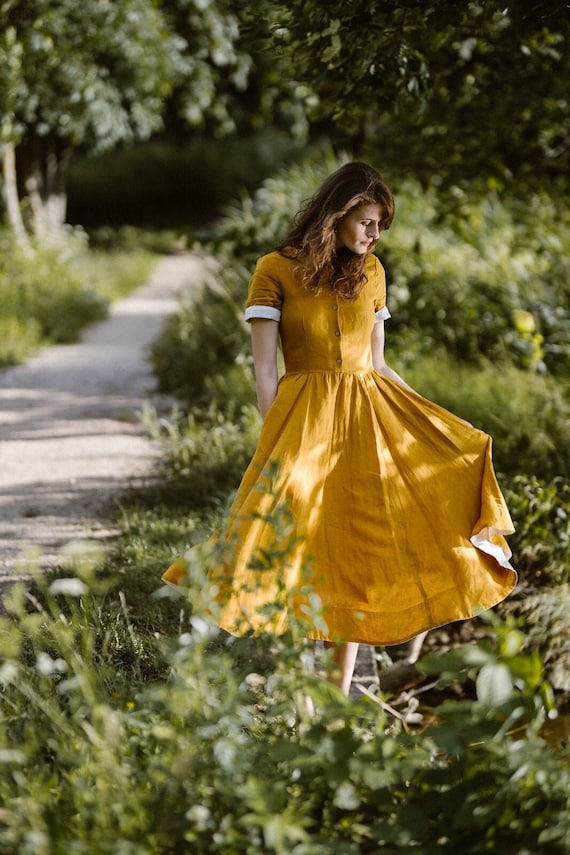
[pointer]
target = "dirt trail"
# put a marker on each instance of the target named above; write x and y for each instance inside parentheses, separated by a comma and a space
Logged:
(70, 433)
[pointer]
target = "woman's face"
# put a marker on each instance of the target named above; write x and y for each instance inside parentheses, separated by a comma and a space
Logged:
(359, 229)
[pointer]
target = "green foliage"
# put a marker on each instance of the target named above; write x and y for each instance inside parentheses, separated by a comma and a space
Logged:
(546, 614)
(205, 343)
(481, 276)
(94, 77)
(434, 83)
(78, 79)
(186, 181)
(227, 756)
(541, 544)
(51, 297)
(542, 539)
(527, 414)
(257, 223)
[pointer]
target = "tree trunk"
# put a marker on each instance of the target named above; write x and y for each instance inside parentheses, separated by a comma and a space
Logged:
(43, 161)
(12, 199)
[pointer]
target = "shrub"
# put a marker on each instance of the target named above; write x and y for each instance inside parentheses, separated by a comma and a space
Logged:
(542, 539)
(486, 277)
(256, 223)
(226, 756)
(546, 614)
(206, 450)
(541, 546)
(43, 292)
(204, 343)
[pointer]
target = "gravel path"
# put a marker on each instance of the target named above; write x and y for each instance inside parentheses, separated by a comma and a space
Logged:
(70, 434)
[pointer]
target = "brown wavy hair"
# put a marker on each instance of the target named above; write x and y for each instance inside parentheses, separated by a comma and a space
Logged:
(312, 240)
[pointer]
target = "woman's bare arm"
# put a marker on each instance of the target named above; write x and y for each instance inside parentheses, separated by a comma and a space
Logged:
(264, 337)
(378, 360)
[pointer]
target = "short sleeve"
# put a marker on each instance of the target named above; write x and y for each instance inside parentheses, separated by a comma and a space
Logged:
(378, 278)
(265, 292)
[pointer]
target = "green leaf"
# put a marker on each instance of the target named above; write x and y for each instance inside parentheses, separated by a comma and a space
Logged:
(494, 684)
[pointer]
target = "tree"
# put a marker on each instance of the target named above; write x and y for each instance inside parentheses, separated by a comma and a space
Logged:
(469, 87)
(76, 76)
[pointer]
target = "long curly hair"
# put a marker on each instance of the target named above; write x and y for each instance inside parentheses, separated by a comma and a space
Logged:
(313, 238)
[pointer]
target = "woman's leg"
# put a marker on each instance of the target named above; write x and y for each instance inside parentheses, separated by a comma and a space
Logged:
(344, 656)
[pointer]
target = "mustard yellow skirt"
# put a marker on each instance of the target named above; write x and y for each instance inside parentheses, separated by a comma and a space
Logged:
(367, 509)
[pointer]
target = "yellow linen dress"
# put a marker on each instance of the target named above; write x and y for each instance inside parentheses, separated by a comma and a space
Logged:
(390, 500)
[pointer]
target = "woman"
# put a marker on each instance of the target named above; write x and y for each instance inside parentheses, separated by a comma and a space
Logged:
(389, 499)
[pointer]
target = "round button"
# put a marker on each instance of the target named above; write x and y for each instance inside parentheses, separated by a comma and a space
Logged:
(339, 361)
(337, 333)
(334, 308)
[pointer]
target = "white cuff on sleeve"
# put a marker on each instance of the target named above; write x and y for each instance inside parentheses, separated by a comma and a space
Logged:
(266, 312)
(382, 314)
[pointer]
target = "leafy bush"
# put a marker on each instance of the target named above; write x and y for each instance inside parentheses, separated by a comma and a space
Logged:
(226, 755)
(541, 545)
(546, 614)
(542, 539)
(206, 450)
(488, 278)
(205, 343)
(258, 222)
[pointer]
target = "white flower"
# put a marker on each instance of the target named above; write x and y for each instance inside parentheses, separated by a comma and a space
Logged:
(46, 665)
(73, 587)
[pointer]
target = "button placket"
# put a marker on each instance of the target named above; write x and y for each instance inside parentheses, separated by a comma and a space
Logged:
(337, 333)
